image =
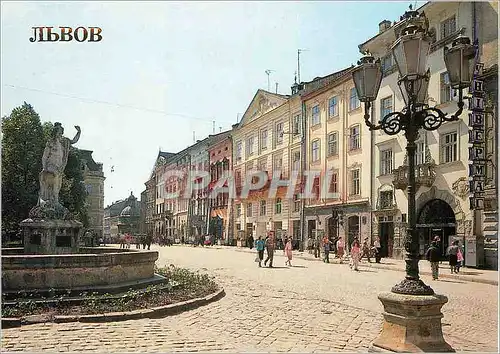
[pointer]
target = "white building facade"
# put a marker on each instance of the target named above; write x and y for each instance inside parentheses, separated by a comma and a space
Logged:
(442, 198)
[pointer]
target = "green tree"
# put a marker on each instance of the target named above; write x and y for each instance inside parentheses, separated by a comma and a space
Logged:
(73, 193)
(22, 148)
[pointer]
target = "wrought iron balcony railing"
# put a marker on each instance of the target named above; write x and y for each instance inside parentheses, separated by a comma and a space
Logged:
(425, 175)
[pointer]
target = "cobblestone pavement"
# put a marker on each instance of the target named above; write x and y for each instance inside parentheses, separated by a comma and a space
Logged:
(311, 307)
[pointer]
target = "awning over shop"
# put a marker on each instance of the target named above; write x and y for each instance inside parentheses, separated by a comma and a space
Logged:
(221, 213)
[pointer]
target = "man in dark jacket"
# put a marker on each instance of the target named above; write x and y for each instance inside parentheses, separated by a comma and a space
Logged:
(433, 255)
(270, 246)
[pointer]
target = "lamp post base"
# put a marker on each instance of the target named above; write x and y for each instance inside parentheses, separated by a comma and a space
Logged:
(412, 287)
(412, 323)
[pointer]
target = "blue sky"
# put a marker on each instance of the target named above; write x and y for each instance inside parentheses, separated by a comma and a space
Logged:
(167, 69)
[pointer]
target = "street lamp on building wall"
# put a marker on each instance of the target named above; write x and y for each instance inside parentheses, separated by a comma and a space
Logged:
(411, 51)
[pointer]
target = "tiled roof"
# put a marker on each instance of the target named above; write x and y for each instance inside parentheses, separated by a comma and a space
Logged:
(321, 82)
(86, 155)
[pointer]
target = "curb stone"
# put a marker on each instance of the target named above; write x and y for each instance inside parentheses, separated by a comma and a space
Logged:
(10, 322)
(155, 312)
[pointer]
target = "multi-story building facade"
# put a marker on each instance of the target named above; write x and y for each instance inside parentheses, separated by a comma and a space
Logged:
(220, 153)
(156, 217)
(338, 147)
(198, 205)
(93, 178)
(442, 156)
(175, 178)
(295, 149)
(149, 206)
(260, 143)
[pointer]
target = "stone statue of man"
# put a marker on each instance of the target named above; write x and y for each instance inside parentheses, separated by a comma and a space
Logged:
(54, 160)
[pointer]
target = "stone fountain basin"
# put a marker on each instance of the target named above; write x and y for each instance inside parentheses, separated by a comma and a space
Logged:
(89, 269)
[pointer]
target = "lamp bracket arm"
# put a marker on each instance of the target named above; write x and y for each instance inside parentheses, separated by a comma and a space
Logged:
(368, 123)
(460, 105)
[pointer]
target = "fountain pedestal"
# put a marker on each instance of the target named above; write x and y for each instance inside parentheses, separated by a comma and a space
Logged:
(51, 236)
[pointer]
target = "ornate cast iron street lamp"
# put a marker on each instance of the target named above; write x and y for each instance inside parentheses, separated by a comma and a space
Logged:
(412, 312)
(410, 52)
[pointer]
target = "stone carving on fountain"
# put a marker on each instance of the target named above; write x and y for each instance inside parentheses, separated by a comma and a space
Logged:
(54, 160)
(50, 227)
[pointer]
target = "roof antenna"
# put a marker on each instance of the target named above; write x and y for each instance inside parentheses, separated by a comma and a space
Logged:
(276, 88)
(268, 72)
(298, 60)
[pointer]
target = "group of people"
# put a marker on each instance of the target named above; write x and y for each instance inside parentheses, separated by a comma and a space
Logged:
(357, 253)
(269, 245)
(454, 253)
(127, 240)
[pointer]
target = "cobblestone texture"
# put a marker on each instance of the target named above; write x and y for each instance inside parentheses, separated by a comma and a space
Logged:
(312, 307)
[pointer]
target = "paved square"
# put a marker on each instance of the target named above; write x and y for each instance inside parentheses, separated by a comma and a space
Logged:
(311, 307)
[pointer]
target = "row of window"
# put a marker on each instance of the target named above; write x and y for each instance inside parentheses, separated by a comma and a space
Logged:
(333, 143)
(448, 153)
(386, 107)
(278, 207)
(354, 190)
(333, 109)
(262, 142)
(386, 104)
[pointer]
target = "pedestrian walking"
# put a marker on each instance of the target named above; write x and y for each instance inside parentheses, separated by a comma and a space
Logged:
(452, 253)
(148, 240)
(250, 241)
(355, 254)
(288, 252)
(259, 246)
(377, 246)
(270, 251)
(433, 255)
(326, 248)
(460, 260)
(316, 248)
(366, 250)
(437, 239)
(310, 245)
(340, 249)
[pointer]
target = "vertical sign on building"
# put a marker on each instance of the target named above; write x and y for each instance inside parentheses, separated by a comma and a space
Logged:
(477, 158)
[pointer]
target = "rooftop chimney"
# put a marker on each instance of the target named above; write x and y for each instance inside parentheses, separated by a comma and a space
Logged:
(384, 26)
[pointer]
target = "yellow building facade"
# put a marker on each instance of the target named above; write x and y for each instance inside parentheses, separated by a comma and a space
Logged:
(339, 148)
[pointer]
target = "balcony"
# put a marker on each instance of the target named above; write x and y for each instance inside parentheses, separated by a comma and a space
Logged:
(425, 175)
(385, 201)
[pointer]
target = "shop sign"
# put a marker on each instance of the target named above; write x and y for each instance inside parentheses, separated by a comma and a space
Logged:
(477, 156)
